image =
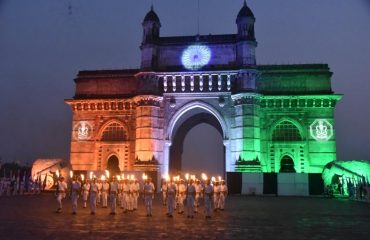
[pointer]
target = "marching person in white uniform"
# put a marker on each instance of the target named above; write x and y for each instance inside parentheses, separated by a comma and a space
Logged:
(61, 193)
(93, 194)
(190, 196)
(171, 193)
(181, 196)
(164, 191)
(198, 193)
(85, 192)
(136, 190)
(148, 196)
(104, 193)
(223, 195)
(75, 193)
(113, 195)
(216, 195)
(208, 192)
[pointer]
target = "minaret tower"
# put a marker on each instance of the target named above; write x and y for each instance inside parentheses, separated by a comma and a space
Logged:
(246, 54)
(151, 28)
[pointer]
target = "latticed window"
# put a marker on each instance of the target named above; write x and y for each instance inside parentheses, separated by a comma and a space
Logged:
(286, 131)
(114, 132)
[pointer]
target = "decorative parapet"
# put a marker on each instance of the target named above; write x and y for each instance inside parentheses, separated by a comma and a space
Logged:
(148, 100)
(302, 101)
(101, 104)
(246, 98)
(205, 81)
(113, 104)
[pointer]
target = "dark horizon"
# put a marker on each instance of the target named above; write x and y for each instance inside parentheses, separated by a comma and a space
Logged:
(44, 44)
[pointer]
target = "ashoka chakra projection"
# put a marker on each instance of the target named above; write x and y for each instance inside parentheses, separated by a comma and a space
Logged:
(195, 57)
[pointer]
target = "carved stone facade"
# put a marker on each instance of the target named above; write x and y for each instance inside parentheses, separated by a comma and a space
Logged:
(273, 118)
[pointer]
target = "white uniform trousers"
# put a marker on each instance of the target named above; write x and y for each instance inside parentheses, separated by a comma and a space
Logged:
(221, 202)
(207, 205)
(216, 199)
(85, 194)
(135, 199)
(181, 203)
(148, 203)
(170, 203)
(104, 196)
(113, 201)
(74, 199)
(93, 201)
(190, 205)
(60, 197)
(196, 202)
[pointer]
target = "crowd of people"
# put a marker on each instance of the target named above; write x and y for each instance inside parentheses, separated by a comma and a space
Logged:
(177, 194)
(16, 186)
(354, 191)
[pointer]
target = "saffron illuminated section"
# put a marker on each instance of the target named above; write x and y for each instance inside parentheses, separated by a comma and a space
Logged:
(195, 57)
(321, 130)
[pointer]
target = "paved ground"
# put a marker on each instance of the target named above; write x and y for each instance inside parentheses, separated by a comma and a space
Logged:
(33, 217)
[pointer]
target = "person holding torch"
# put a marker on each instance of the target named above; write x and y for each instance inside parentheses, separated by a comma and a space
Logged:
(75, 192)
(148, 195)
(61, 193)
(208, 192)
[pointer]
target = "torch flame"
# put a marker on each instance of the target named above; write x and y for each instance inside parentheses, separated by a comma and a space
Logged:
(204, 177)
(57, 173)
(107, 173)
(187, 176)
(82, 177)
(71, 174)
(91, 175)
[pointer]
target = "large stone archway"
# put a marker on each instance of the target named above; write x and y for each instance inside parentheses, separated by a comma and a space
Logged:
(177, 147)
(185, 118)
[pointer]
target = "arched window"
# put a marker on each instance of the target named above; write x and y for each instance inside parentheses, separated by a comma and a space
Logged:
(286, 131)
(114, 132)
(287, 164)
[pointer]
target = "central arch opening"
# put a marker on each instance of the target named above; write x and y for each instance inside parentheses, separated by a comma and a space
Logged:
(197, 146)
(113, 165)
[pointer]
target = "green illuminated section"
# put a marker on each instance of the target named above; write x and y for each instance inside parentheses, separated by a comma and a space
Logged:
(277, 133)
(344, 172)
(288, 125)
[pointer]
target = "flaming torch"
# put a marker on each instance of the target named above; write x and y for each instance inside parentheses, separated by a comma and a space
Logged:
(71, 174)
(187, 177)
(204, 177)
(57, 173)
(82, 177)
(91, 175)
(213, 179)
(107, 173)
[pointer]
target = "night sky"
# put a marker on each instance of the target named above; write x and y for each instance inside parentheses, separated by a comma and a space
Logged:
(44, 43)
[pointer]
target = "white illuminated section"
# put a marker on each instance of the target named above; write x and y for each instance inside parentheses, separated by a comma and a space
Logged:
(195, 57)
(321, 130)
(83, 130)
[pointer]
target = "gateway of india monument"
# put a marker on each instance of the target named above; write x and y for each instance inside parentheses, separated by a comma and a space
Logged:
(272, 118)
